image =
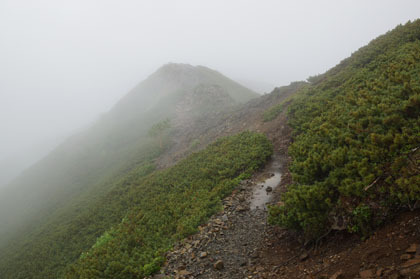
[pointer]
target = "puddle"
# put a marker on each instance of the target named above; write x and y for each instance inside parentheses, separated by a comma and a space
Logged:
(260, 196)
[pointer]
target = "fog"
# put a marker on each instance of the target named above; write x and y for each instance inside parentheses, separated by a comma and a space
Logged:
(64, 63)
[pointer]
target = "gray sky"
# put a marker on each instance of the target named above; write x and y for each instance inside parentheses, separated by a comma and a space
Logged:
(62, 63)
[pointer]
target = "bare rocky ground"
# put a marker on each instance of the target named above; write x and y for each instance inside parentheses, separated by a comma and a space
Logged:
(238, 242)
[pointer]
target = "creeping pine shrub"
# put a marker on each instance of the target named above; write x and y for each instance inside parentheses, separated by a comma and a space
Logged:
(273, 112)
(356, 149)
(169, 205)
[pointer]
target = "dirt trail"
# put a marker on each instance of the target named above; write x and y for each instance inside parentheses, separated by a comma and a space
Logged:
(228, 246)
(238, 243)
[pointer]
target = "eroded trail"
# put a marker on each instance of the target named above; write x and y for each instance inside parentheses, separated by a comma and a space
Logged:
(238, 242)
(227, 247)
(230, 244)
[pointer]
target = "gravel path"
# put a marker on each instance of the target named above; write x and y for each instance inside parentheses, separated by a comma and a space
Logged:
(227, 246)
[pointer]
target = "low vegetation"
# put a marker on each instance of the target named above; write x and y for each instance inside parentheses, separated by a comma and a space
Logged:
(74, 227)
(357, 137)
(275, 110)
(170, 205)
(59, 207)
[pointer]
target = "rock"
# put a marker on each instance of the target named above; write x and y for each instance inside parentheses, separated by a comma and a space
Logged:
(219, 265)
(184, 272)
(181, 267)
(240, 208)
(405, 257)
(304, 256)
(269, 189)
(337, 275)
(203, 255)
(368, 273)
(412, 249)
(255, 255)
(339, 223)
(412, 262)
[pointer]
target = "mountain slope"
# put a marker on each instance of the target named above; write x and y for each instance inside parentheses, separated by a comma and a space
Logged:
(354, 155)
(173, 80)
(39, 210)
(356, 150)
(359, 118)
(170, 205)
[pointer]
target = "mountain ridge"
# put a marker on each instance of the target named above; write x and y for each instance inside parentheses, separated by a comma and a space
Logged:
(348, 159)
(118, 141)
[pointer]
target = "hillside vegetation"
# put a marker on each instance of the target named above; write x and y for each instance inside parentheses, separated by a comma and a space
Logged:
(98, 207)
(57, 208)
(74, 227)
(357, 137)
(275, 110)
(169, 205)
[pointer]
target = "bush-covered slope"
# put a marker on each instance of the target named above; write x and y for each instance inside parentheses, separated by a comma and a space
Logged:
(275, 110)
(173, 203)
(170, 204)
(357, 133)
(74, 227)
(58, 207)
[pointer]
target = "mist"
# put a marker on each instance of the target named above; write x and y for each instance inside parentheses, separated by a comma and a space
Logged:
(64, 63)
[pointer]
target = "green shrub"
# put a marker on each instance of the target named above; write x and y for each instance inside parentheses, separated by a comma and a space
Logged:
(170, 205)
(273, 112)
(361, 219)
(356, 137)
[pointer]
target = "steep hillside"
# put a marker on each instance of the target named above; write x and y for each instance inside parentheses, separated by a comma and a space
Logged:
(345, 145)
(357, 138)
(170, 205)
(358, 119)
(171, 82)
(44, 208)
(249, 116)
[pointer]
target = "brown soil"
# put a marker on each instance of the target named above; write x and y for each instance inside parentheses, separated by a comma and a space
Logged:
(383, 255)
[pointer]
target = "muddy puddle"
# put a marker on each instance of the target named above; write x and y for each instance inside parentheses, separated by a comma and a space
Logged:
(263, 190)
